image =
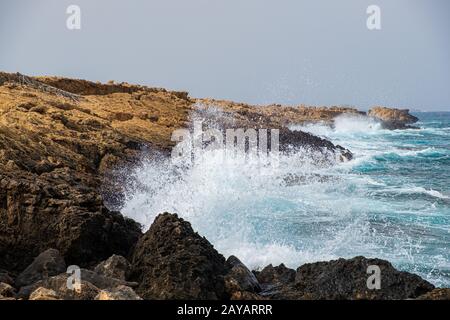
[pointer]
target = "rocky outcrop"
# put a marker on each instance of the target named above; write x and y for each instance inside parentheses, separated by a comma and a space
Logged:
(393, 118)
(345, 279)
(171, 261)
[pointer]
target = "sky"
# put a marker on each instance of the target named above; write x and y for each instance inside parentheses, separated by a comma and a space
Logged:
(257, 51)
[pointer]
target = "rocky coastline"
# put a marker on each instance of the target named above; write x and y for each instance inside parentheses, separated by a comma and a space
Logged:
(61, 142)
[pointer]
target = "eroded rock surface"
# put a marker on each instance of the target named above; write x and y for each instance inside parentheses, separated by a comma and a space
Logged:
(393, 118)
(171, 261)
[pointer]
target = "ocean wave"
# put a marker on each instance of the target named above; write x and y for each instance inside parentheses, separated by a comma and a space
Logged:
(415, 190)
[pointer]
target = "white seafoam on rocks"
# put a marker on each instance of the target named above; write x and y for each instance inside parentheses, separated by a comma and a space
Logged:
(299, 212)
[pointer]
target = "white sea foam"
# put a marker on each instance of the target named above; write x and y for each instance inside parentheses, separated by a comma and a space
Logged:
(320, 213)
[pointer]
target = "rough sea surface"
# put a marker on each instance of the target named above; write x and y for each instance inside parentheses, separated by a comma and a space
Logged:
(392, 201)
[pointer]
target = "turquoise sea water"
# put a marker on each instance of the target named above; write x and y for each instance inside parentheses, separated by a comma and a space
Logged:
(392, 201)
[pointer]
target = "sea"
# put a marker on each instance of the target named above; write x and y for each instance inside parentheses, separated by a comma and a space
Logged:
(391, 201)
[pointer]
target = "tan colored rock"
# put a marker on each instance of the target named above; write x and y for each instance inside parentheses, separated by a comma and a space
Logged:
(436, 294)
(114, 267)
(393, 118)
(118, 293)
(86, 291)
(44, 294)
(7, 290)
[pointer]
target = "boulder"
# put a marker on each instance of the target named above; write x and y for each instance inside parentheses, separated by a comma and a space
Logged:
(44, 294)
(91, 283)
(118, 293)
(276, 282)
(7, 290)
(347, 279)
(171, 261)
(273, 276)
(243, 277)
(48, 263)
(58, 284)
(114, 267)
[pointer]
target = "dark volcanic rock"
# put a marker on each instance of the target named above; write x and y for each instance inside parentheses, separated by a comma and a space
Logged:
(48, 263)
(292, 140)
(5, 277)
(347, 279)
(276, 275)
(171, 261)
(277, 282)
(242, 275)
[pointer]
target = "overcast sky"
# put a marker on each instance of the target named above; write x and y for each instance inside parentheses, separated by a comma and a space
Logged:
(317, 52)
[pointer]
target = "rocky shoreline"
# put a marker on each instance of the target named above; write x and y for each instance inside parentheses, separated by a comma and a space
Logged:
(61, 142)
(172, 261)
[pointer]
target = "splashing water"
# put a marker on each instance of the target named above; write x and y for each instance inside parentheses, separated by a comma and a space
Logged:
(392, 201)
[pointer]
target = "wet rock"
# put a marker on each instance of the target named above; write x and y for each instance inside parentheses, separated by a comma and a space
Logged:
(114, 267)
(393, 118)
(44, 294)
(171, 261)
(245, 279)
(347, 279)
(278, 275)
(118, 293)
(277, 282)
(48, 263)
(436, 294)
(7, 290)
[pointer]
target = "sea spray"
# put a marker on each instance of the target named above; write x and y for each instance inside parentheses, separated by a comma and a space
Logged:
(391, 208)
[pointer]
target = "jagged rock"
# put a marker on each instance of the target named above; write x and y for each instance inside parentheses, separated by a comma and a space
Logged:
(347, 279)
(393, 118)
(114, 267)
(243, 277)
(44, 294)
(171, 261)
(118, 293)
(277, 282)
(48, 263)
(278, 275)
(436, 294)
(7, 290)
(59, 284)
